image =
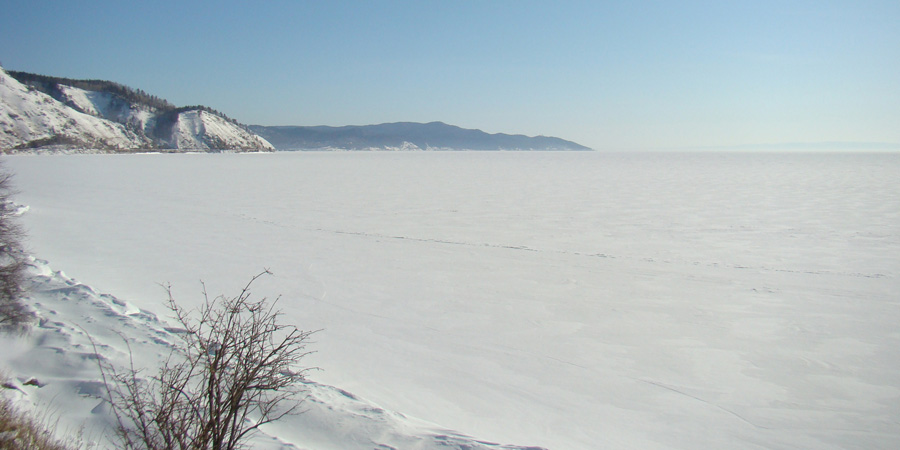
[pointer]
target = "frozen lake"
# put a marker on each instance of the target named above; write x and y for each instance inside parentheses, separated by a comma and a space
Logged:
(567, 300)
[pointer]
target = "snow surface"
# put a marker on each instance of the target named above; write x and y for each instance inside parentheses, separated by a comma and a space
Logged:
(562, 300)
(56, 375)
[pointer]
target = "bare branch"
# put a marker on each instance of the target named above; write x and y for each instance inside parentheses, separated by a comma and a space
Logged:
(237, 368)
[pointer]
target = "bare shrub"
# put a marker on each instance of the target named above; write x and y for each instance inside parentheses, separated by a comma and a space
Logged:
(19, 430)
(238, 368)
(13, 312)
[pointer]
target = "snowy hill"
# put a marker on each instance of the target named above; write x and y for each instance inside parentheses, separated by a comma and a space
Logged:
(404, 136)
(30, 118)
(202, 129)
(58, 113)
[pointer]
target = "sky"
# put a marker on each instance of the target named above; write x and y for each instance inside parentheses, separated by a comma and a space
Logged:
(612, 75)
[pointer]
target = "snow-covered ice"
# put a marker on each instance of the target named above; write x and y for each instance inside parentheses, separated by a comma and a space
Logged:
(562, 300)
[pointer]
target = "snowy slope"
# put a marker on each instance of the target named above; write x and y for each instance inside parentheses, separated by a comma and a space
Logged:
(193, 129)
(202, 130)
(71, 117)
(28, 116)
(60, 358)
(111, 107)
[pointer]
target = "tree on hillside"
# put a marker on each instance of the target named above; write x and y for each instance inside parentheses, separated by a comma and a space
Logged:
(13, 312)
(237, 369)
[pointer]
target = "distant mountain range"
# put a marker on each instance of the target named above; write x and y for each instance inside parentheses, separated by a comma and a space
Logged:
(403, 136)
(39, 112)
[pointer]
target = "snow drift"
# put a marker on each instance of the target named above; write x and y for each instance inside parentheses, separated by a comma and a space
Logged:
(54, 370)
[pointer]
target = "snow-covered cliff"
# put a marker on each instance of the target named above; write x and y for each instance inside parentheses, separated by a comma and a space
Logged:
(199, 129)
(49, 113)
(30, 118)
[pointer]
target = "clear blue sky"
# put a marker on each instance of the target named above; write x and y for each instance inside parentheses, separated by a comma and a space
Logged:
(610, 75)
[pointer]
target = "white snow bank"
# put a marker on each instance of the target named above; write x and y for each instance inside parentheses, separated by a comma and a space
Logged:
(54, 371)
